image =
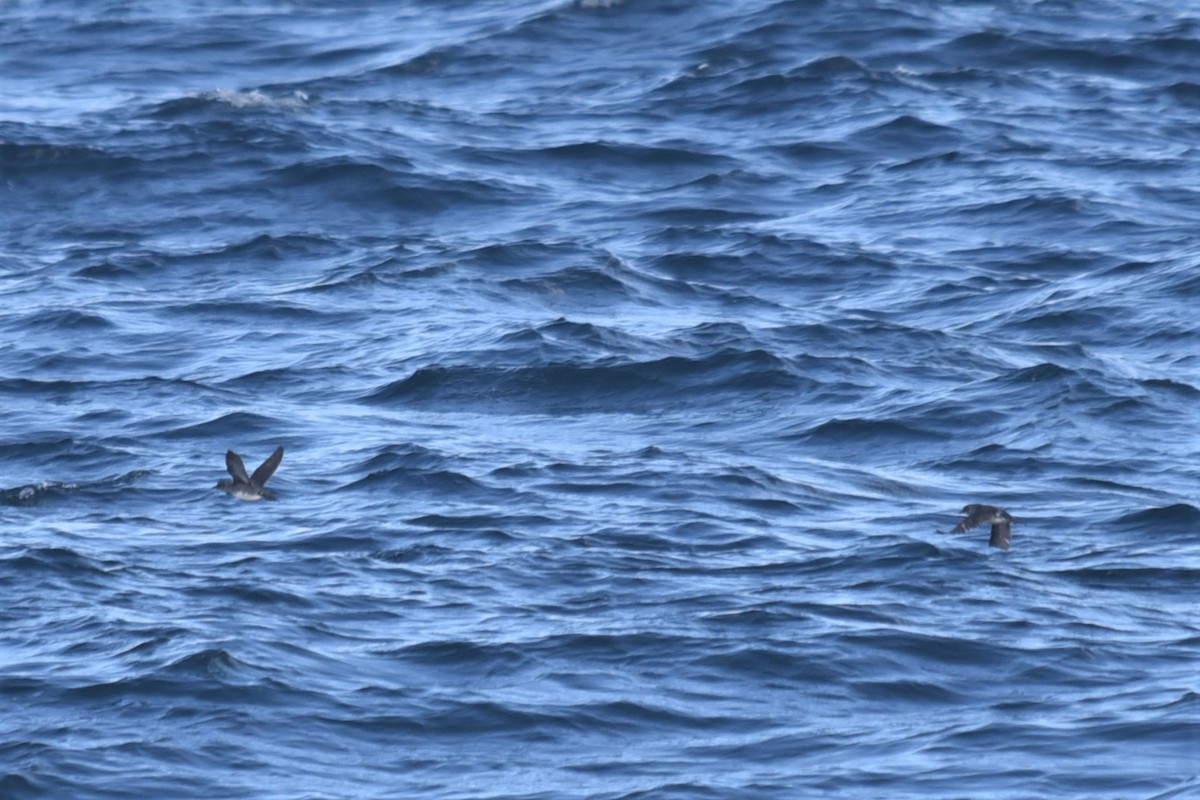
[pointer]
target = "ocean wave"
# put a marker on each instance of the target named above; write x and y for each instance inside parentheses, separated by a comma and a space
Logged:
(566, 387)
(51, 491)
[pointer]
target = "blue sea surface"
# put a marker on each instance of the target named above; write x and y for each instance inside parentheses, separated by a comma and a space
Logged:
(633, 361)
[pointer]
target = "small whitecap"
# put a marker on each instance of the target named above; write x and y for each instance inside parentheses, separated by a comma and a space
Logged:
(256, 98)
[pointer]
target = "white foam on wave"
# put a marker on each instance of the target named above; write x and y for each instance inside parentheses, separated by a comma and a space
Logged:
(256, 98)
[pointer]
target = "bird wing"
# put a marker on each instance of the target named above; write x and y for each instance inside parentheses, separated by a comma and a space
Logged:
(267, 468)
(972, 520)
(233, 463)
(1001, 535)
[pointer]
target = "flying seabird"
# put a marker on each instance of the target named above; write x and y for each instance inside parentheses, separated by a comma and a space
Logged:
(251, 487)
(1000, 519)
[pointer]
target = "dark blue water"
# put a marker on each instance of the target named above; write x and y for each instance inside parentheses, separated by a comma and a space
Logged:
(632, 360)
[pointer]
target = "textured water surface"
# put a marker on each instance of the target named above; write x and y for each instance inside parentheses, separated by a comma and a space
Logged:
(632, 361)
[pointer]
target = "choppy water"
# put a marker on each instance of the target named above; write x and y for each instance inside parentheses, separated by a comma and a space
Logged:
(632, 361)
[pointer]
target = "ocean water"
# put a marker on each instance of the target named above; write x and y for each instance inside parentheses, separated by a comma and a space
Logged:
(633, 361)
